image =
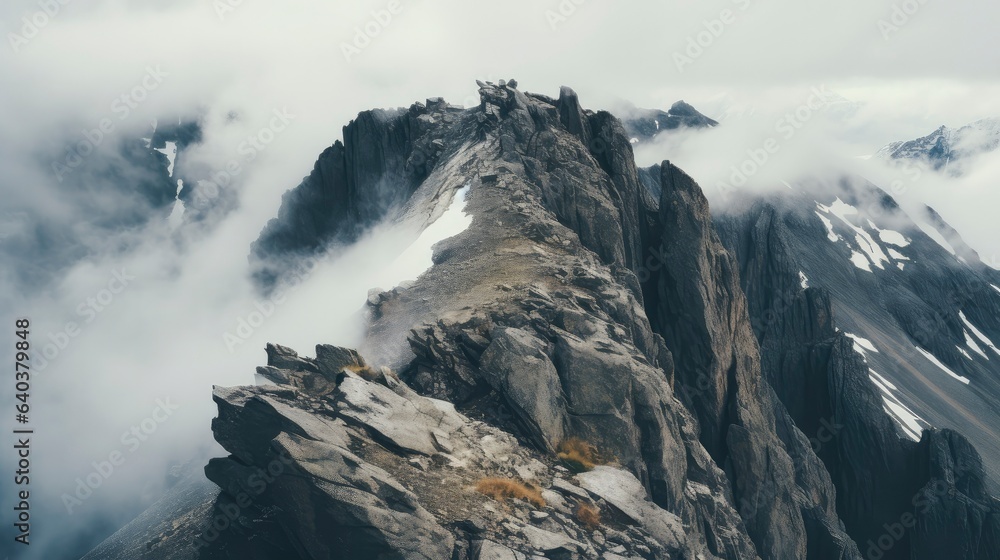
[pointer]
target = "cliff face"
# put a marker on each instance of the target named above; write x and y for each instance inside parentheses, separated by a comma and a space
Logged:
(384, 156)
(882, 478)
(587, 302)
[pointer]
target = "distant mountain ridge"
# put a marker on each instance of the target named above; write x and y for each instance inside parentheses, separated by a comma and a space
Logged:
(946, 148)
(643, 125)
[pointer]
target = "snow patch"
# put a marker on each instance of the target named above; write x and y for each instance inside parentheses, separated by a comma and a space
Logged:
(838, 208)
(937, 237)
(862, 344)
(911, 424)
(418, 257)
(994, 286)
(862, 238)
(900, 265)
(860, 261)
(893, 237)
(906, 420)
(882, 380)
(897, 255)
(963, 352)
(829, 228)
(803, 281)
(972, 344)
(868, 245)
(931, 358)
(985, 340)
(177, 212)
(171, 152)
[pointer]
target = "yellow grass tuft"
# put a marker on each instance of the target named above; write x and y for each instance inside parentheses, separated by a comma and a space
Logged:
(578, 455)
(588, 516)
(502, 489)
(366, 372)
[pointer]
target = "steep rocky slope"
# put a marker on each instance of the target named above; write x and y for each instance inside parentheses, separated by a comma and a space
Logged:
(892, 306)
(577, 306)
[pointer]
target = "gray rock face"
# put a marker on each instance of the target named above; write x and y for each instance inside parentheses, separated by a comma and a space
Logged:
(394, 419)
(516, 365)
(626, 494)
(384, 156)
(701, 312)
(572, 218)
(340, 473)
(332, 502)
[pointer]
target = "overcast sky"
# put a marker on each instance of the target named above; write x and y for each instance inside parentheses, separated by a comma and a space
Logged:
(898, 75)
(909, 73)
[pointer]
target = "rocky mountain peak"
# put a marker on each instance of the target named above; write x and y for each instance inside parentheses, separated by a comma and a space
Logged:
(949, 149)
(580, 374)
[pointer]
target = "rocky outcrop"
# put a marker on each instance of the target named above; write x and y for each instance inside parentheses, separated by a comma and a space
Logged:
(371, 469)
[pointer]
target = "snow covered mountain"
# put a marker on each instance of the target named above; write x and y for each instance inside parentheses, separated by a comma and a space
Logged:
(946, 148)
(914, 299)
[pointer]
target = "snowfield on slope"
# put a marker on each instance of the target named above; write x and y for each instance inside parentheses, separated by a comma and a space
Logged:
(932, 359)
(907, 420)
(982, 337)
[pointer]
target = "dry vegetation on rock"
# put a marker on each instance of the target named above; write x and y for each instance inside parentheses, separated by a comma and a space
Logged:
(502, 489)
